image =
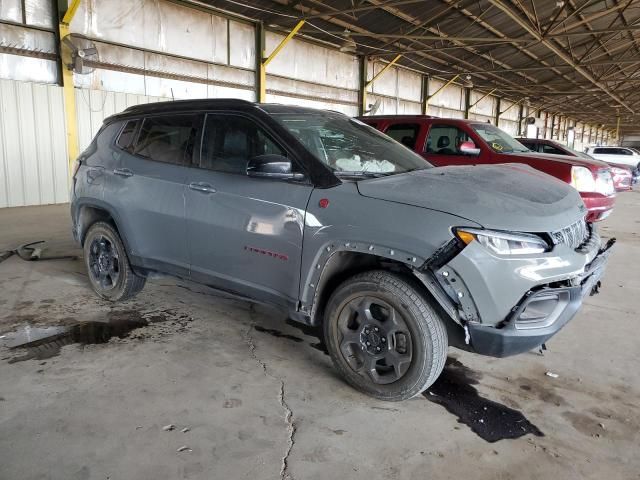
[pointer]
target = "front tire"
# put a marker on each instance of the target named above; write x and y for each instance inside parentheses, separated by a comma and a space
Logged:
(384, 337)
(107, 264)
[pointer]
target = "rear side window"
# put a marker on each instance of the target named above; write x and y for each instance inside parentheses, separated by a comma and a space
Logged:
(230, 141)
(604, 151)
(530, 145)
(127, 136)
(168, 138)
(552, 149)
(405, 133)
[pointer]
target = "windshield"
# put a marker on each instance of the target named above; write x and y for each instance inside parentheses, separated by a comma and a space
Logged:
(498, 140)
(348, 146)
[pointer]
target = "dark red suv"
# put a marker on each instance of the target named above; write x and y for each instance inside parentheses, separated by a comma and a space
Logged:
(450, 141)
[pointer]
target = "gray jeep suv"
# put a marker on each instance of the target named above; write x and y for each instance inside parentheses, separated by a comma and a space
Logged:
(339, 225)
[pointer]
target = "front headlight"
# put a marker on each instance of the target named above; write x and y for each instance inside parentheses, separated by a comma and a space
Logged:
(604, 182)
(582, 179)
(503, 243)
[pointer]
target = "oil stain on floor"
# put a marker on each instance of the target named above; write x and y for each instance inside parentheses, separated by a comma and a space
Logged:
(40, 343)
(492, 421)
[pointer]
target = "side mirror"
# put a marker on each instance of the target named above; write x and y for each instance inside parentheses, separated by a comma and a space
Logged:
(272, 166)
(469, 148)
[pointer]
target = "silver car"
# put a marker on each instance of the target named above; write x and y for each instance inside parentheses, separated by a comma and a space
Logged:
(392, 260)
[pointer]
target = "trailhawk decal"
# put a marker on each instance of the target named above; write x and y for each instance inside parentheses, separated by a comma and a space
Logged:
(268, 253)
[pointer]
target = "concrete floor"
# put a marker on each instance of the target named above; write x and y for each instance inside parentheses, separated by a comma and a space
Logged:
(267, 404)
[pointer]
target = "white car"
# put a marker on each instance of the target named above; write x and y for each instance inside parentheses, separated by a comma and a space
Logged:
(620, 155)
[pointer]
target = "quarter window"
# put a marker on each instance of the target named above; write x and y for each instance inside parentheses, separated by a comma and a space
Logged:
(168, 139)
(405, 133)
(230, 141)
(126, 137)
(445, 140)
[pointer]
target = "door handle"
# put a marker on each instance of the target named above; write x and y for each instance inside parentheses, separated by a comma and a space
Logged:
(202, 187)
(123, 172)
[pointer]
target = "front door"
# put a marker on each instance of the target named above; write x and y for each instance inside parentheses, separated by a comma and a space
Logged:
(445, 146)
(245, 234)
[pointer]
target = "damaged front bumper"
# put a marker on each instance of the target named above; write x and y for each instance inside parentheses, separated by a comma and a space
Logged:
(505, 319)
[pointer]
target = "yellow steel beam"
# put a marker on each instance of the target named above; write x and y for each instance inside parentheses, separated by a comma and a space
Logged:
(71, 11)
(366, 84)
(439, 90)
(71, 120)
(481, 98)
(265, 61)
(511, 106)
(384, 69)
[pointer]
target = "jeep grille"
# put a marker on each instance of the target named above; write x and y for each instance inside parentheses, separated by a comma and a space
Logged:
(573, 236)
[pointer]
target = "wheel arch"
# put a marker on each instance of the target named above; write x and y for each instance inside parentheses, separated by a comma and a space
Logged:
(342, 263)
(88, 213)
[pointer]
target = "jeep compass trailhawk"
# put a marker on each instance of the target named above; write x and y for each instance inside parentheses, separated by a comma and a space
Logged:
(341, 226)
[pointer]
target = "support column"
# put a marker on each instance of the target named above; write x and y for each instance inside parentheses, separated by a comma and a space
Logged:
(362, 84)
(520, 118)
(260, 86)
(425, 94)
(467, 102)
(67, 11)
(497, 119)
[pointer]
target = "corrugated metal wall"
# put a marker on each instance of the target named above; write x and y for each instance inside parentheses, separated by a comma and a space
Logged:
(33, 152)
(398, 91)
(312, 76)
(33, 149)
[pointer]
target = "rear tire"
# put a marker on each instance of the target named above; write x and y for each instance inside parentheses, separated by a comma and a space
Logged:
(383, 335)
(108, 266)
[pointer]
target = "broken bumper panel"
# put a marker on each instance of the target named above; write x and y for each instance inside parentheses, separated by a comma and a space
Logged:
(540, 314)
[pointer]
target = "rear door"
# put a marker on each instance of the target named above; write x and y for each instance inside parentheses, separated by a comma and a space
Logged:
(149, 188)
(408, 134)
(245, 234)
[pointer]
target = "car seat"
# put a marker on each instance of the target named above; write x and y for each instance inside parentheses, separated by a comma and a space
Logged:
(443, 146)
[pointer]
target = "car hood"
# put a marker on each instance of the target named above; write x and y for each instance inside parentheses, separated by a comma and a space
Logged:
(567, 159)
(511, 197)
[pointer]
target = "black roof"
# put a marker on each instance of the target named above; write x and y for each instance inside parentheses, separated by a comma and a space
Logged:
(210, 104)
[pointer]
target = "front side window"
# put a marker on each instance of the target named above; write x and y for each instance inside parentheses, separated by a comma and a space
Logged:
(230, 141)
(602, 151)
(405, 133)
(168, 138)
(498, 140)
(446, 140)
(348, 146)
(126, 137)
